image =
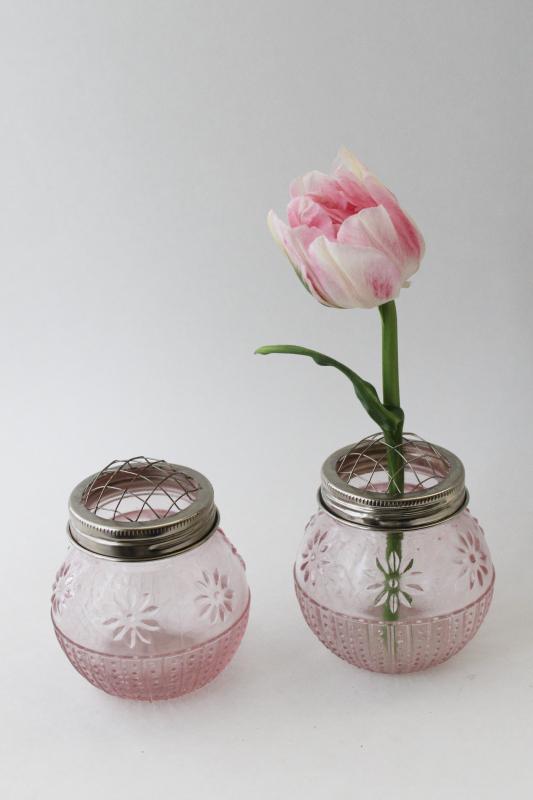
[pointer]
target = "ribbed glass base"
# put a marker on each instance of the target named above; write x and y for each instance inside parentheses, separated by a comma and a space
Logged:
(156, 677)
(394, 647)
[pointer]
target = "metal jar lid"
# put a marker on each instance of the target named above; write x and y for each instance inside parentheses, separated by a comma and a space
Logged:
(357, 488)
(142, 509)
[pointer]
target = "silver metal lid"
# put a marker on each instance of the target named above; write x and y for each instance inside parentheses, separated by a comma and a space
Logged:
(357, 488)
(142, 509)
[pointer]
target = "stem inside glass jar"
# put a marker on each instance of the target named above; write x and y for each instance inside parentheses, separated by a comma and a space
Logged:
(393, 440)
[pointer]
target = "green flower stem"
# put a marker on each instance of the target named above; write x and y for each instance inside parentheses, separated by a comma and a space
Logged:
(391, 400)
(387, 414)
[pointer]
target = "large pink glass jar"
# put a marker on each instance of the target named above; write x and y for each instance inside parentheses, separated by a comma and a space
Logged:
(389, 580)
(152, 600)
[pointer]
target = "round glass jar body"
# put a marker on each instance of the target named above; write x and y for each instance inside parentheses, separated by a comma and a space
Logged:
(388, 601)
(152, 600)
(156, 629)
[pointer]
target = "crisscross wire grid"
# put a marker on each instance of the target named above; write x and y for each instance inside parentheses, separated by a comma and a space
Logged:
(139, 489)
(367, 465)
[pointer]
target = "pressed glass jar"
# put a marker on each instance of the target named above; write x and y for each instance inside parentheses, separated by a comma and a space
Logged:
(152, 600)
(393, 581)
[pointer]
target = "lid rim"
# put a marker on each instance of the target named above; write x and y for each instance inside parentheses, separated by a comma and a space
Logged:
(150, 553)
(147, 539)
(421, 508)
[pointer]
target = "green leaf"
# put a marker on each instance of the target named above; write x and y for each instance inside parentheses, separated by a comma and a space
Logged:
(389, 419)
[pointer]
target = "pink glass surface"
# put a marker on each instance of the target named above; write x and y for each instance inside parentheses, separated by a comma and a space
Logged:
(441, 590)
(152, 630)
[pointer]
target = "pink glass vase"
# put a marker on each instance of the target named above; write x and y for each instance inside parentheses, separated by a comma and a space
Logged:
(393, 584)
(140, 624)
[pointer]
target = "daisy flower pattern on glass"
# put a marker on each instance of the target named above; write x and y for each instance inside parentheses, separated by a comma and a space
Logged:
(396, 586)
(315, 559)
(472, 559)
(62, 589)
(133, 619)
(215, 600)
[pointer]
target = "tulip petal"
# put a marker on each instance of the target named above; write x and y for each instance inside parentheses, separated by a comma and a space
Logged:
(280, 234)
(327, 192)
(346, 160)
(373, 227)
(340, 288)
(412, 239)
(354, 277)
(295, 243)
(348, 164)
(314, 183)
(304, 211)
(350, 175)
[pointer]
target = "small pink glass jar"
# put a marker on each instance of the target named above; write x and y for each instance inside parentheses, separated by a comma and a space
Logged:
(389, 580)
(152, 600)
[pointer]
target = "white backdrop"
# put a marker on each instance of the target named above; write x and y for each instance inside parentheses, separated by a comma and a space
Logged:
(142, 144)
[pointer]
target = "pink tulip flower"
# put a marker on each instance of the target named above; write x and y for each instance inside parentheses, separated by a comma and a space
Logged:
(349, 241)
